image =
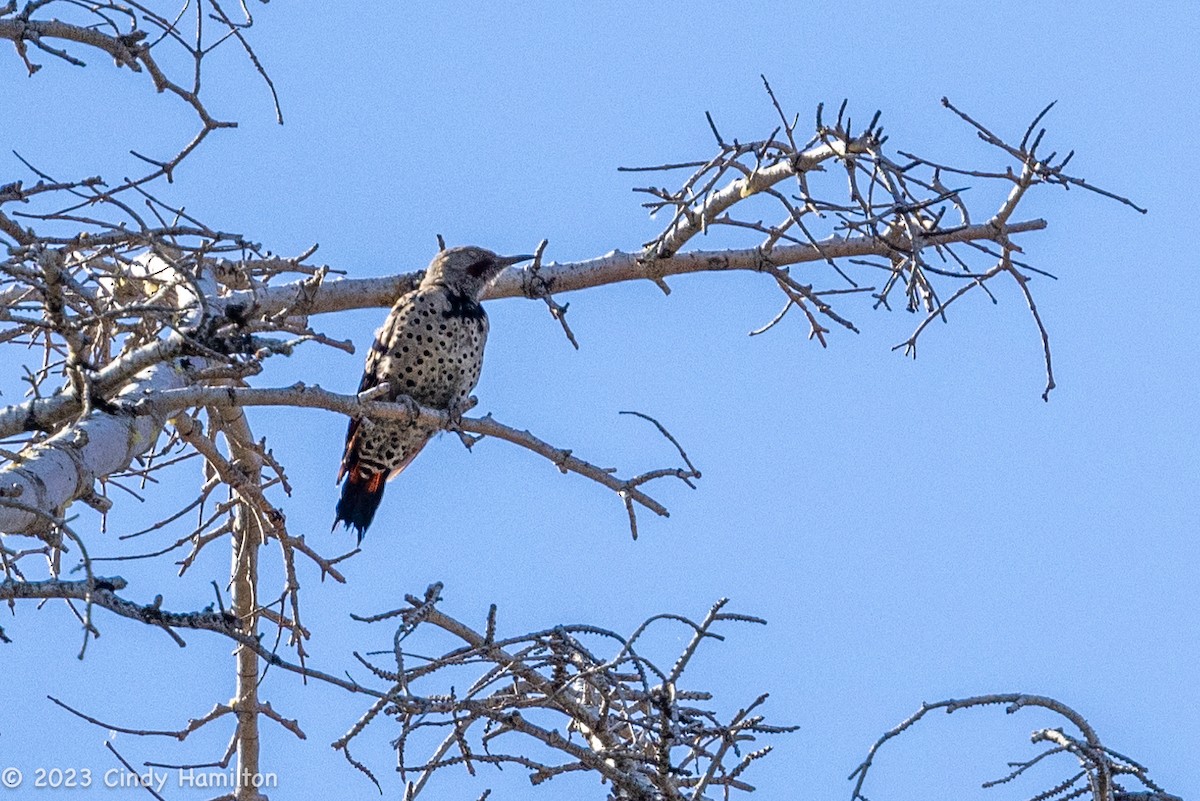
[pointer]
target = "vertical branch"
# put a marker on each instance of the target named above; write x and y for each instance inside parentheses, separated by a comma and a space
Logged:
(247, 538)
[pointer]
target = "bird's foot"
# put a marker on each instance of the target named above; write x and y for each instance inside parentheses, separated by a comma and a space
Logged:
(454, 423)
(456, 411)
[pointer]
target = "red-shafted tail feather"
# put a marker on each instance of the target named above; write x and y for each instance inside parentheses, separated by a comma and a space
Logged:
(360, 498)
(363, 490)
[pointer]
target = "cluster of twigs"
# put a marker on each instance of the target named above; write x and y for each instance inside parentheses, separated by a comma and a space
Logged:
(549, 704)
(917, 230)
(1100, 772)
(105, 318)
(173, 48)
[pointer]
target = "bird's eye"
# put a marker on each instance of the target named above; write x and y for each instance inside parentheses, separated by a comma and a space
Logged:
(477, 269)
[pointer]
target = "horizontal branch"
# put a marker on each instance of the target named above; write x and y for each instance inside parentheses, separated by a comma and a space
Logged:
(102, 592)
(303, 298)
(65, 467)
(44, 413)
(171, 401)
(125, 50)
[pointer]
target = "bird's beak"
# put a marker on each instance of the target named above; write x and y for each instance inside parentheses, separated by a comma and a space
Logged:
(507, 261)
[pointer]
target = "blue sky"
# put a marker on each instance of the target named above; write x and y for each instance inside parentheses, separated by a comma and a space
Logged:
(911, 530)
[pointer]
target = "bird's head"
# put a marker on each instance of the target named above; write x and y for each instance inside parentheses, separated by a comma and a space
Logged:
(467, 270)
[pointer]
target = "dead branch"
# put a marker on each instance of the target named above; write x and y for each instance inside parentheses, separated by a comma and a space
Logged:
(639, 730)
(1102, 769)
(301, 395)
(102, 592)
(611, 268)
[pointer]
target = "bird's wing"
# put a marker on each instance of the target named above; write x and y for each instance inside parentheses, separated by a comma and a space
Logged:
(371, 376)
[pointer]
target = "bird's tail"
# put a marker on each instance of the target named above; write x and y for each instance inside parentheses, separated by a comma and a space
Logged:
(361, 495)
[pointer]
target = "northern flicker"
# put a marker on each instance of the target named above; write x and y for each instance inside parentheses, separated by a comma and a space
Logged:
(430, 348)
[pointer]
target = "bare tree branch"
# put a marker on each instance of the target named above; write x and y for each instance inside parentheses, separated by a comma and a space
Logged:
(1101, 767)
(639, 730)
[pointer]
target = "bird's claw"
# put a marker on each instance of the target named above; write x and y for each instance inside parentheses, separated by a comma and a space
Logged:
(456, 411)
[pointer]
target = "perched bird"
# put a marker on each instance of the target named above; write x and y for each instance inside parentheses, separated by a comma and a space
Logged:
(430, 348)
